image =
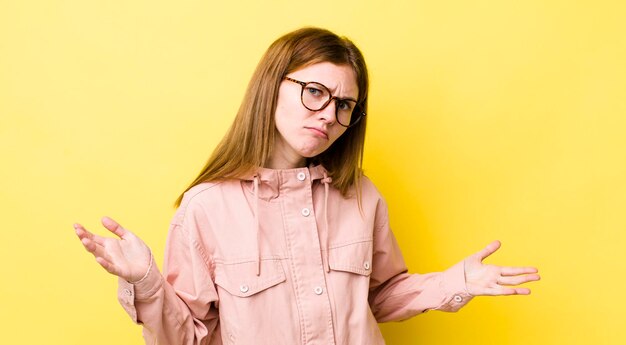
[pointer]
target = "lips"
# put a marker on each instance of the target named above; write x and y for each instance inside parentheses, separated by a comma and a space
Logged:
(318, 132)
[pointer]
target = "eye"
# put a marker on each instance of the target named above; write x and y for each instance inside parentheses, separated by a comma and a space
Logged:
(314, 91)
(344, 105)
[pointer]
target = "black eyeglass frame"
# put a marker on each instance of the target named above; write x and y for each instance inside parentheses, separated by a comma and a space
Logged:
(357, 106)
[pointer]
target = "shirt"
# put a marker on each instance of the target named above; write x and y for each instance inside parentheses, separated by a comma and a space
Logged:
(283, 258)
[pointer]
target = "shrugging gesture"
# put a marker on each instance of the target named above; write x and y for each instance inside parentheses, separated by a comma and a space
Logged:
(493, 280)
(127, 257)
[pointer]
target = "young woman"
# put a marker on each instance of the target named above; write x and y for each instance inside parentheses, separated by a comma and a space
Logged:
(281, 239)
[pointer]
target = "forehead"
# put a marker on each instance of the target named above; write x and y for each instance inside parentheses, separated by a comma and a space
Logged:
(340, 79)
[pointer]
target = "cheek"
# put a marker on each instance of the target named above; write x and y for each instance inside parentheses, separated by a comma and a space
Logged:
(286, 110)
(338, 131)
(289, 117)
(284, 121)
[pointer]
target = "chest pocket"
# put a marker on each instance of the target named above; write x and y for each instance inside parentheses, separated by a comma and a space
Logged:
(240, 279)
(354, 257)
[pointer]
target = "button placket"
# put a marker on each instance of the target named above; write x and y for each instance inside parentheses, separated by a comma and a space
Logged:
(305, 235)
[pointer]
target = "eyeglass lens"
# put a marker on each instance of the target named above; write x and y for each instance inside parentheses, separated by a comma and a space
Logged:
(316, 96)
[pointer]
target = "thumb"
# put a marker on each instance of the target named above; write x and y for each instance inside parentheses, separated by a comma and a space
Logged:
(490, 249)
(114, 227)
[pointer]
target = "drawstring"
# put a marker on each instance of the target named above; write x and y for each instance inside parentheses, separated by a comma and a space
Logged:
(326, 181)
(256, 224)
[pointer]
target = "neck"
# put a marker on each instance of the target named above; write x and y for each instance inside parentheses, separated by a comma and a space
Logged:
(280, 162)
(282, 158)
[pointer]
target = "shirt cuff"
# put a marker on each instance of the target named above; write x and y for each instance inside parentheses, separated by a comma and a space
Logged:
(128, 293)
(454, 288)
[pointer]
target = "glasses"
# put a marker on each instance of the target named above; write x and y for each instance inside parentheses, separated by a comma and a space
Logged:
(315, 97)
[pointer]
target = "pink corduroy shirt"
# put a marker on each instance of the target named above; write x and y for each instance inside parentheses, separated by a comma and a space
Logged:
(283, 258)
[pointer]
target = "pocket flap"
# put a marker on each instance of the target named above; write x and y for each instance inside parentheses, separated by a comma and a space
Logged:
(240, 279)
(354, 257)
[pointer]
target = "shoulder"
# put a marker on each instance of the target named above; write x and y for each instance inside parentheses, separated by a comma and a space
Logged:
(369, 191)
(201, 198)
(368, 186)
(372, 199)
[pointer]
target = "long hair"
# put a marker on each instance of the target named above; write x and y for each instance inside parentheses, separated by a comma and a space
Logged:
(249, 142)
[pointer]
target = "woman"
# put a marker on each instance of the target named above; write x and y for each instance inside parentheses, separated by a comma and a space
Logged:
(281, 239)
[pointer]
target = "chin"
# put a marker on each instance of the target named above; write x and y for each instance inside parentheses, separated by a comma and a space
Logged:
(308, 151)
(311, 154)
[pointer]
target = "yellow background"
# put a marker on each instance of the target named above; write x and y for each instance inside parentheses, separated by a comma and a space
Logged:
(488, 120)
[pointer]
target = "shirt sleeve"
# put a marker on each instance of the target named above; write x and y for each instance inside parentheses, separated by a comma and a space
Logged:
(397, 295)
(180, 306)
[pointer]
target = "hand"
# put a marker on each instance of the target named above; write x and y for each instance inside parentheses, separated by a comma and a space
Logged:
(127, 257)
(492, 280)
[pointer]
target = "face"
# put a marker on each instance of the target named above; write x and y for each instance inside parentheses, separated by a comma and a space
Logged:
(302, 133)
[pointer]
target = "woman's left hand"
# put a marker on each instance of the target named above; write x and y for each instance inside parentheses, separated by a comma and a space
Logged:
(492, 280)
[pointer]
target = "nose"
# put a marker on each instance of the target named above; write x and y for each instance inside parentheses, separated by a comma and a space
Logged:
(329, 113)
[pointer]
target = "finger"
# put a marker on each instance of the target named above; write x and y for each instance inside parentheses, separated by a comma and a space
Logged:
(99, 240)
(81, 232)
(502, 291)
(93, 247)
(513, 271)
(114, 227)
(89, 244)
(517, 280)
(109, 267)
(522, 291)
(511, 291)
(490, 249)
(486, 291)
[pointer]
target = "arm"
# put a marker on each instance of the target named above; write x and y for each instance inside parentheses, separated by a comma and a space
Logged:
(397, 295)
(177, 308)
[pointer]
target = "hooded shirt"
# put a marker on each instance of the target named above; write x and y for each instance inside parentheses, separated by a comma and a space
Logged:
(283, 258)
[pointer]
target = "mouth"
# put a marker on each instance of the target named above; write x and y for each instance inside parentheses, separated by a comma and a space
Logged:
(318, 132)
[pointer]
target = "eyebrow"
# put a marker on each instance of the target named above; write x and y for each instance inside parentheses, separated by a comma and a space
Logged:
(335, 89)
(303, 83)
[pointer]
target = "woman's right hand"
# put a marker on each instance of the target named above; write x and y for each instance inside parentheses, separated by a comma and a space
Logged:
(127, 257)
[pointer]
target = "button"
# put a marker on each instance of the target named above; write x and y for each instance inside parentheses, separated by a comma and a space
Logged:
(306, 212)
(244, 288)
(458, 299)
(366, 265)
(301, 176)
(318, 290)
(128, 292)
